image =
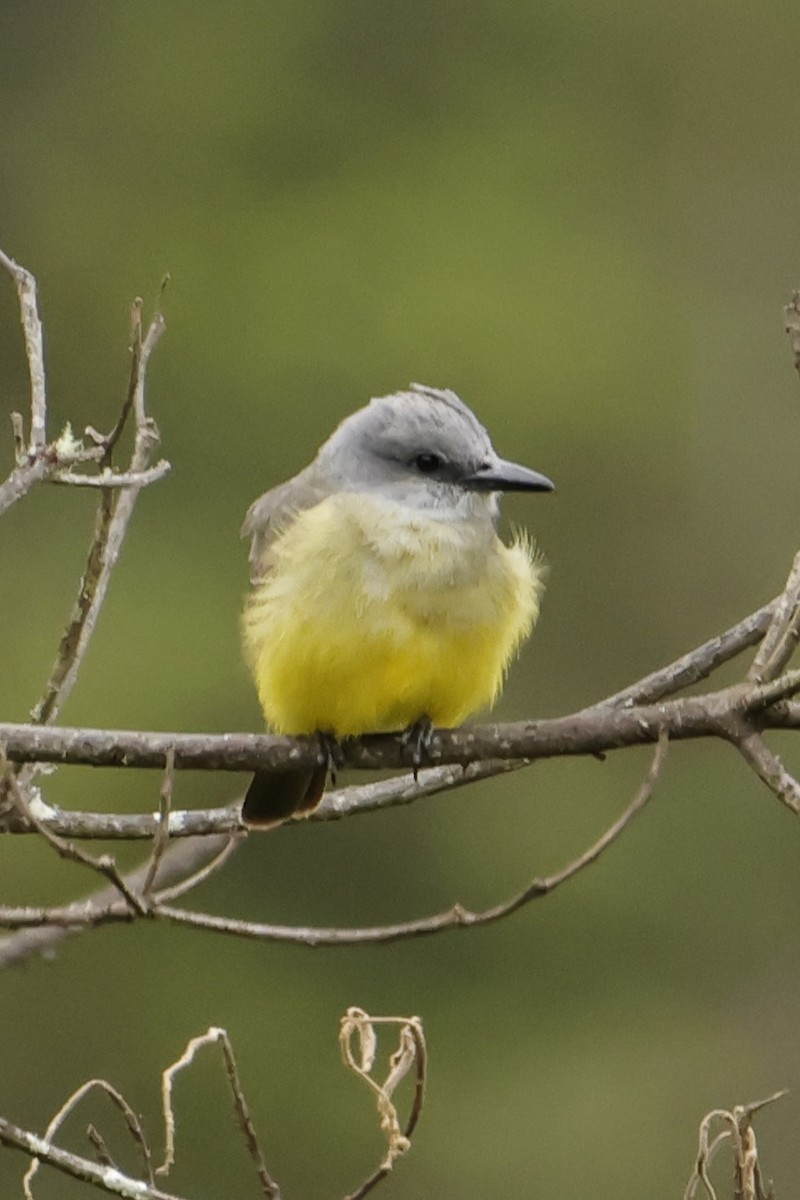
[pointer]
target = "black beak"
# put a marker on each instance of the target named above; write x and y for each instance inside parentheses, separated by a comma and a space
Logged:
(499, 475)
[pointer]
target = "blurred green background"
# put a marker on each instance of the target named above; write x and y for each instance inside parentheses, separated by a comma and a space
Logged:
(584, 216)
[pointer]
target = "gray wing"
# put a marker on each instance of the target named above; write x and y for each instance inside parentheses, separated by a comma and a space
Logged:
(268, 516)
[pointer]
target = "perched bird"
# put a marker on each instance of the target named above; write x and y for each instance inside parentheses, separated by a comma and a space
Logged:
(383, 598)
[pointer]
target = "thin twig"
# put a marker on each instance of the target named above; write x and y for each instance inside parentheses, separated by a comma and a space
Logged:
(109, 441)
(118, 1100)
(34, 348)
(455, 917)
(115, 479)
(762, 695)
(767, 765)
(90, 914)
(782, 635)
(335, 805)
(74, 916)
(791, 316)
(182, 861)
(404, 789)
(126, 827)
(202, 873)
(707, 1152)
(101, 1150)
(102, 864)
(738, 1131)
(21, 480)
(697, 664)
(36, 460)
(357, 1027)
(107, 1179)
(113, 516)
(214, 1036)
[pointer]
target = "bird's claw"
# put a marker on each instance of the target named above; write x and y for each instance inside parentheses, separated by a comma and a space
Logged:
(331, 755)
(418, 736)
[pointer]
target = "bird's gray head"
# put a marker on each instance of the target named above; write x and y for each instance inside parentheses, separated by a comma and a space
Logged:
(423, 448)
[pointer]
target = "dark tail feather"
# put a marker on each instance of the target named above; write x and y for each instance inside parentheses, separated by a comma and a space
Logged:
(274, 796)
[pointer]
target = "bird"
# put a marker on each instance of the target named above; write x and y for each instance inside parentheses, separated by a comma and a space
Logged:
(383, 598)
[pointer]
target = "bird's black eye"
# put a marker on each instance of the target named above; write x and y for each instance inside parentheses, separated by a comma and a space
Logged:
(427, 463)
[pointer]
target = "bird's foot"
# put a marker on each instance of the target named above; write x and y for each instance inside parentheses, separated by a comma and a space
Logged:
(331, 755)
(418, 736)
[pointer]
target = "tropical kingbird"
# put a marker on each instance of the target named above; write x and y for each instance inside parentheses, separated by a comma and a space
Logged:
(383, 598)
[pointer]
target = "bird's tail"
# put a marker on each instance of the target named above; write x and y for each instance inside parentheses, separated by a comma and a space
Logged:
(274, 796)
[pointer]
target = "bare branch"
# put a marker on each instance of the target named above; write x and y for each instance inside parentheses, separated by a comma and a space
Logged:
(455, 917)
(109, 441)
(115, 479)
(107, 1179)
(21, 480)
(133, 1123)
(697, 664)
(767, 765)
(739, 1133)
(591, 731)
(190, 882)
(113, 516)
(181, 862)
(34, 348)
(690, 668)
(784, 630)
(762, 695)
(358, 1027)
(127, 827)
(404, 789)
(36, 460)
(103, 864)
(475, 753)
(791, 316)
(214, 1036)
(183, 823)
(90, 913)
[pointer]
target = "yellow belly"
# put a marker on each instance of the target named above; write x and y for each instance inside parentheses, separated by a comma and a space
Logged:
(371, 617)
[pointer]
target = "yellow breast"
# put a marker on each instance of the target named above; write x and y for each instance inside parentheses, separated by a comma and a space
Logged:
(373, 615)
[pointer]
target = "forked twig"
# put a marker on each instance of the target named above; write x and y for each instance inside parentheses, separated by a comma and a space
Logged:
(737, 1129)
(214, 1035)
(186, 860)
(90, 915)
(791, 318)
(107, 1174)
(34, 348)
(102, 864)
(113, 517)
(118, 1100)
(190, 882)
(455, 917)
(115, 479)
(39, 460)
(358, 1029)
(108, 1179)
(766, 764)
(783, 632)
